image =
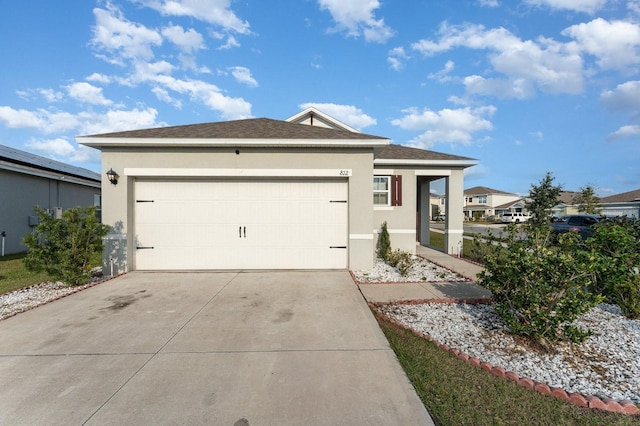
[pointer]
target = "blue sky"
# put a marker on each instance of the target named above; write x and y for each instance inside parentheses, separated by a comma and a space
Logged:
(524, 86)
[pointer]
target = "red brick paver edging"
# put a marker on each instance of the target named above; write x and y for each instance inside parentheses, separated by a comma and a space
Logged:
(591, 401)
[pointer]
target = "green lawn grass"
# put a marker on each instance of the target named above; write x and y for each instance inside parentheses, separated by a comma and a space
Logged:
(14, 275)
(457, 393)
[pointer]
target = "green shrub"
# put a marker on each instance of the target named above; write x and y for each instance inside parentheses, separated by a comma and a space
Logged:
(384, 242)
(403, 260)
(63, 247)
(616, 245)
(540, 289)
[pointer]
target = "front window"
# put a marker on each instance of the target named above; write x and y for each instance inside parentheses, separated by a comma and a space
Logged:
(482, 199)
(381, 190)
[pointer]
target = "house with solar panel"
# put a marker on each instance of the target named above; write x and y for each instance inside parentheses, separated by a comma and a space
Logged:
(28, 180)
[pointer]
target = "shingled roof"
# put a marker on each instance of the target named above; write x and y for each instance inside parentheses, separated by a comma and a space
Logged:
(399, 152)
(253, 128)
(483, 190)
(625, 197)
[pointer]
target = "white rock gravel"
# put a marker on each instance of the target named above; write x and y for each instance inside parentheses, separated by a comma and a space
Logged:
(606, 365)
(422, 270)
(36, 295)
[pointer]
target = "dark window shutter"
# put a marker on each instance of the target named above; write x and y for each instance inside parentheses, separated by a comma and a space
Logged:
(396, 190)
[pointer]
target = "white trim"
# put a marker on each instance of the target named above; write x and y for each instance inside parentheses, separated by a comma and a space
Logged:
(383, 172)
(433, 172)
(447, 163)
(98, 142)
(397, 231)
(361, 236)
(171, 172)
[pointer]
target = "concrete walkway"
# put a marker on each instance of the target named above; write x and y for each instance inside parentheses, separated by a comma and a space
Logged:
(395, 292)
(268, 348)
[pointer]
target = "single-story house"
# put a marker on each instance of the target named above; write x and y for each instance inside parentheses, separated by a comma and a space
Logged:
(625, 204)
(305, 193)
(28, 180)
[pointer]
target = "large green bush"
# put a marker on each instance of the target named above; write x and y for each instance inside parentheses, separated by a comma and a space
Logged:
(63, 247)
(539, 289)
(615, 244)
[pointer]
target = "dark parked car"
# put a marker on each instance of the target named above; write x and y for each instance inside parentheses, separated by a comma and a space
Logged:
(581, 223)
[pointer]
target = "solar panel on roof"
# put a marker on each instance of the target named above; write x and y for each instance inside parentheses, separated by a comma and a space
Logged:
(26, 158)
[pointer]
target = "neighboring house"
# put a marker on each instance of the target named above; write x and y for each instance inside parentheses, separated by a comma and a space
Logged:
(480, 202)
(307, 193)
(625, 204)
(517, 206)
(565, 206)
(28, 180)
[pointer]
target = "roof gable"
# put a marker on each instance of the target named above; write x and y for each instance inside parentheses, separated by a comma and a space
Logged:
(314, 117)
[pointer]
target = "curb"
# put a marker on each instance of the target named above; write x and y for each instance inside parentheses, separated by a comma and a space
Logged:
(587, 401)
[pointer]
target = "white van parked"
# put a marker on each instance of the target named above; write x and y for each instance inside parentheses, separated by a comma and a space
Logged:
(514, 217)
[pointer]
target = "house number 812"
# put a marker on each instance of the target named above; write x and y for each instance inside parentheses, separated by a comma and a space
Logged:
(344, 172)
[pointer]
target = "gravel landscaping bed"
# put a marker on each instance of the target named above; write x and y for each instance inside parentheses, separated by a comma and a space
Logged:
(607, 365)
(421, 271)
(33, 296)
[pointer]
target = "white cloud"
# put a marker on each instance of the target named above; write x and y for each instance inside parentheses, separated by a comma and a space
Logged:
(357, 18)
(447, 125)
(243, 75)
(209, 94)
(525, 65)
(99, 78)
(348, 114)
(615, 44)
(489, 3)
(443, 76)
(625, 97)
(187, 41)
(63, 150)
(122, 38)
(587, 6)
(230, 44)
(624, 132)
(86, 122)
(217, 12)
(396, 57)
(87, 93)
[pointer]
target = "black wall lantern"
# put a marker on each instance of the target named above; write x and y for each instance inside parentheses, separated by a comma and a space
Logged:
(112, 176)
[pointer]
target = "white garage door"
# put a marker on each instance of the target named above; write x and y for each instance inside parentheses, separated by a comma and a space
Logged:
(240, 224)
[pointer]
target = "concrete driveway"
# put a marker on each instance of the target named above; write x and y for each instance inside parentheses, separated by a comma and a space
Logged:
(254, 348)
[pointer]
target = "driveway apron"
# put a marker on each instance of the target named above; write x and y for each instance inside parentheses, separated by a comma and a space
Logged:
(217, 348)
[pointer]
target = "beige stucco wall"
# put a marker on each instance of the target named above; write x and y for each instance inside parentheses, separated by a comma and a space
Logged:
(119, 200)
(401, 220)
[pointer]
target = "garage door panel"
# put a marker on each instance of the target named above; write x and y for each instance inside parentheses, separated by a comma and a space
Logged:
(282, 224)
